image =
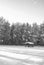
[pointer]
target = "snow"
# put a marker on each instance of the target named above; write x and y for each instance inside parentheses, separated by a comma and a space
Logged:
(6, 59)
(20, 56)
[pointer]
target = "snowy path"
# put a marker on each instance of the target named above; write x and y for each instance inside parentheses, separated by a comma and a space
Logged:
(11, 57)
(21, 56)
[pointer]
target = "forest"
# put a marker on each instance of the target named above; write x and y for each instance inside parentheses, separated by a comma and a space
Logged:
(19, 33)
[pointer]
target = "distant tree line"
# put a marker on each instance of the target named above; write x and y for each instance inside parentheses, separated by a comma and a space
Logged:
(18, 34)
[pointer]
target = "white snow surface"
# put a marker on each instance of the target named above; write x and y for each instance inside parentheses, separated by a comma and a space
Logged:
(20, 56)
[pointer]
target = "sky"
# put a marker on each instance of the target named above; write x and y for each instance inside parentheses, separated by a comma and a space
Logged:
(22, 11)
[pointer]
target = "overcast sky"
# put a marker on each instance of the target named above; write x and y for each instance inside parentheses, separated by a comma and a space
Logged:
(22, 10)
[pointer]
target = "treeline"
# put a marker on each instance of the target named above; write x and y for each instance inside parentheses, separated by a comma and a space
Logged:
(18, 34)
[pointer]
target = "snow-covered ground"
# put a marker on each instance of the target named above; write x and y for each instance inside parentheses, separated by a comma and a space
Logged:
(16, 55)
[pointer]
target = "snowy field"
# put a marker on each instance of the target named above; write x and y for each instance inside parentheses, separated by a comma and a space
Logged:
(20, 55)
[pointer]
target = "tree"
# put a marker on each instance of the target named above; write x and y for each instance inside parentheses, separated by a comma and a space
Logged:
(41, 33)
(35, 29)
(19, 31)
(42, 28)
(4, 30)
(12, 33)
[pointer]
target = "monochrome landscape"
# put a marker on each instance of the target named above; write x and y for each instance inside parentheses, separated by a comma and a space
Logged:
(21, 32)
